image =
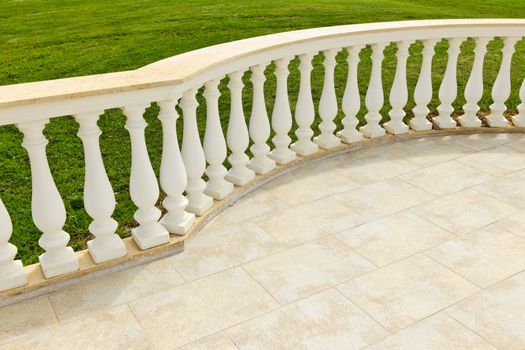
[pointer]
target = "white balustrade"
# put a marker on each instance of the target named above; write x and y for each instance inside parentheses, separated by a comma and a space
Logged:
(99, 200)
(474, 87)
(143, 186)
(519, 119)
(193, 156)
(12, 273)
(328, 104)
(351, 103)
(281, 115)
(259, 125)
(423, 90)
(448, 89)
(501, 87)
(173, 179)
(374, 95)
(214, 145)
(399, 91)
(47, 207)
(237, 135)
(304, 109)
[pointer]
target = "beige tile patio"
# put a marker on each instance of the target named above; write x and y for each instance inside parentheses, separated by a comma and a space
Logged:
(407, 291)
(446, 178)
(184, 314)
(109, 329)
(383, 198)
(24, 318)
(464, 211)
(497, 161)
(483, 257)
(323, 321)
(514, 223)
(497, 313)
(477, 142)
(213, 250)
(508, 188)
(427, 152)
(394, 237)
(307, 269)
(219, 341)
(309, 221)
(114, 289)
(438, 332)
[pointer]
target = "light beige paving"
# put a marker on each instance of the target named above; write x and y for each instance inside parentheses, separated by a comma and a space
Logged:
(410, 245)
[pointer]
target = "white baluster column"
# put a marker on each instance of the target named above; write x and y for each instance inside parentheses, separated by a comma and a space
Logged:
(501, 88)
(281, 115)
(193, 156)
(49, 213)
(328, 104)
(423, 91)
(374, 95)
(519, 119)
(237, 135)
(351, 98)
(474, 87)
(12, 273)
(173, 179)
(259, 124)
(143, 188)
(215, 145)
(449, 87)
(399, 91)
(99, 199)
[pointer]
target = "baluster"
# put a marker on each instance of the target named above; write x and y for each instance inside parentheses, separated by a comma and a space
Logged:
(501, 88)
(49, 213)
(423, 91)
(519, 119)
(351, 98)
(304, 109)
(143, 187)
(12, 273)
(474, 87)
(259, 124)
(399, 91)
(281, 115)
(173, 173)
(328, 104)
(99, 199)
(215, 145)
(374, 95)
(237, 135)
(193, 156)
(449, 89)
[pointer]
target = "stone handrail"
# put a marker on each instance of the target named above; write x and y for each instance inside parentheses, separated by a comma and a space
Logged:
(175, 82)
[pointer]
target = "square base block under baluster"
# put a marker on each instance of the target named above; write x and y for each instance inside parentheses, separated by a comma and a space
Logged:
(200, 207)
(327, 142)
(497, 121)
(304, 149)
(240, 178)
(445, 123)
(262, 167)
(282, 157)
(349, 137)
(51, 267)
(219, 192)
(15, 278)
(181, 227)
(105, 250)
(160, 237)
(372, 132)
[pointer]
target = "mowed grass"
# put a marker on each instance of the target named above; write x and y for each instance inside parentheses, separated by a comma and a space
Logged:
(48, 39)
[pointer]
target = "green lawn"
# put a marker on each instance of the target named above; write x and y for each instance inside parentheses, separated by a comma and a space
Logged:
(47, 39)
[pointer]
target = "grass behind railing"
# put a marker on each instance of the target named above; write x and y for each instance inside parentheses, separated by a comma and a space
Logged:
(54, 39)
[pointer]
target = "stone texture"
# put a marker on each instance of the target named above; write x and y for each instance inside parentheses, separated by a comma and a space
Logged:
(495, 161)
(219, 341)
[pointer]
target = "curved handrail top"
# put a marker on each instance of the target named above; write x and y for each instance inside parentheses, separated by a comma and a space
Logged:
(183, 67)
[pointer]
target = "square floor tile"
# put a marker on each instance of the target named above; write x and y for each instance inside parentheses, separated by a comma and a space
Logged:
(508, 188)
(405, 292)
(114, 328)
(213, 250)
(438, 332)
(309, 221)
(187, 313)
(324, 321)
(219, 341)
(482, 257)
(446, 178)
(394, 237)
(514, 224)
(307, 269)
(114, 289)
(426, 152)
(383, 198)
(497, 161)
(464, 211)
(496, 314)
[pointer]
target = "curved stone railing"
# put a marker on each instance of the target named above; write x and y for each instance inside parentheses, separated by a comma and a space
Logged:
(176, 82)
